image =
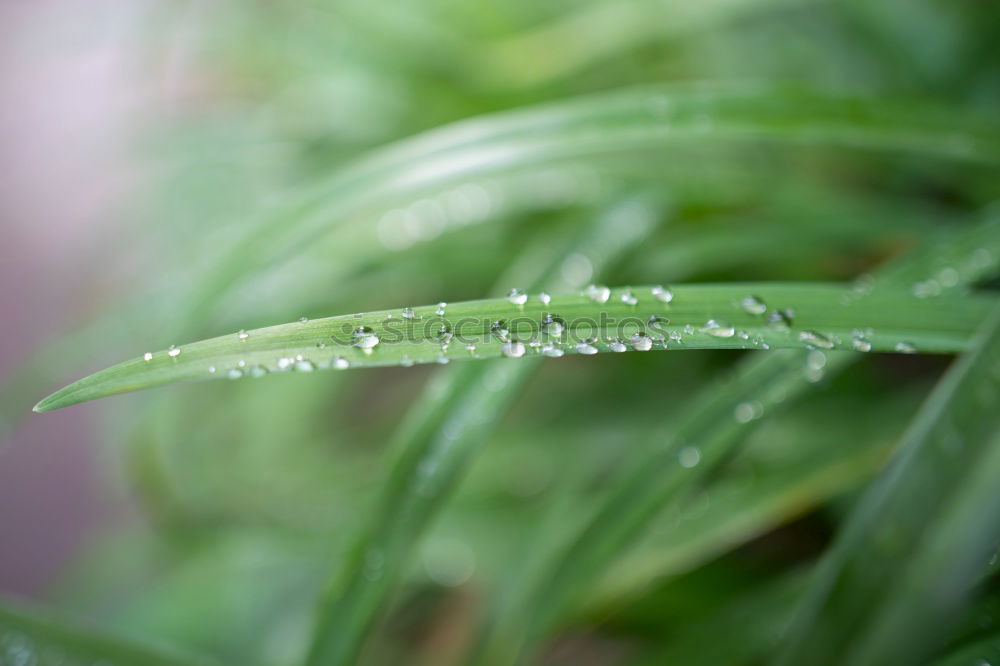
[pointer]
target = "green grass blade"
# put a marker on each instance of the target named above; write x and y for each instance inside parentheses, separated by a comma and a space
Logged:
(434, 445)
(30, 637)
(920, 536)
(697, 317)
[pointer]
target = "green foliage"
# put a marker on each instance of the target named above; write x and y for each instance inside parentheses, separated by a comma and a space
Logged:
(822, 186)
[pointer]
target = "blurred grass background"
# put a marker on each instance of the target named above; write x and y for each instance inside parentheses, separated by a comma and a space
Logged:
(142, 141)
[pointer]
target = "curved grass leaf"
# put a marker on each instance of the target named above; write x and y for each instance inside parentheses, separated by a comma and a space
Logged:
(446, 164)
(602, 29)
(29, 637)
(723, 316)
(909, 552)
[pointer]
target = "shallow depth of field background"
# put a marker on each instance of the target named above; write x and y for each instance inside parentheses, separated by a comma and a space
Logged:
(138, 138)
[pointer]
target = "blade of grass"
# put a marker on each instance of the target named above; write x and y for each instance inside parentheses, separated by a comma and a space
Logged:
(30, 637)
(706, 432)
(602, 29)
(698, 317)
(635, 120)
(435, 444)
(903, 562)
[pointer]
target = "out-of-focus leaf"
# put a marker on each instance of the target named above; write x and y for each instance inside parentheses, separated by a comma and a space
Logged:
(436, 441)
(920, 536)
(28, 637)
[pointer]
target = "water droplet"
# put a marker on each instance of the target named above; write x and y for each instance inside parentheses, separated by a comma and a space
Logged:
(470, 348)
(816, 360)
(745, 412)
(864, 284)
(552, 351)
(512, 349)
(242, 335)
(628, 298)
(861, 345)
(753, 305)
(927, 289)
(148, 356)
(440, 309)
(173, 352)
(815, 339)
(499, 329)
(597, 293)
(408, 313)
(586, 348)
(689, 457)
(303, 365)
(948, 277)
(258, 371)
(284, 363)
(780, 319)
(340, 363)
(906, 348)
(617, 346)
(365, 338)
(718, 329)
(663, 294)
(442, 359)
(303, 320)
(406, 361)
(641, 342)
(234, 373)
(517, 297)
(552, 327)
(211, 369)
(544, 298)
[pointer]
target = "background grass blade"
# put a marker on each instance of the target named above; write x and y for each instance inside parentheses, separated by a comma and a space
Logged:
(892, 583)
(634, 120)
(697, 317)
(29, 637)
(436, 441)
(705, 429)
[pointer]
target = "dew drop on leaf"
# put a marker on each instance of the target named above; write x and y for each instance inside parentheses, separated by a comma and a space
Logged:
(753, 305)
(689, 457)
(816, 339)
(517, 297)
(597, 293)
(718, 329)
(365, 337)
(174, 351)
(663, 294)
(512, 349)
(617, 346)
(641, 342)
(586, 348)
